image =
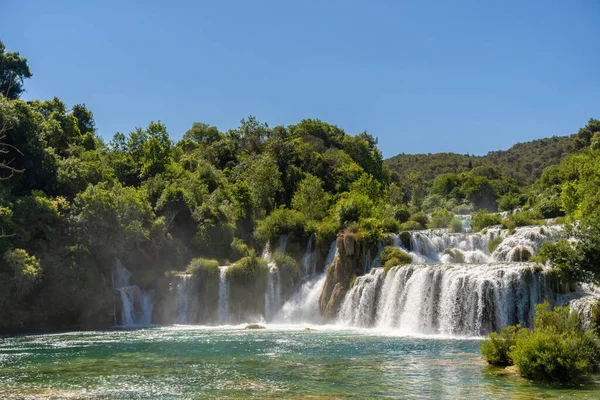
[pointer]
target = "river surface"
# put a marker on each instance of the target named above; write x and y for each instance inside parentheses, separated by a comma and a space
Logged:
(279, 362)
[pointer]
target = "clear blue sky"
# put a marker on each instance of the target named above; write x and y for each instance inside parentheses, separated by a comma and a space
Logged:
(422, 76)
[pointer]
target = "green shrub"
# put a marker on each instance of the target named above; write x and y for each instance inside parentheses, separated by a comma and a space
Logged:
(247, 269)
(240, 249)
(410, 226)
(463, 209)
(286, 264)
(353, 207)
(441, 219)
(457, 255)
(25, 270)
(493, 244)
(392, 256)
(203, 265)
(390, 225)
(421, 218)
(527, 218)
(483, 219)
(497, 348)
(401, 213)
(558, 349)
(456, 225)
(282, 221)
(521, 254)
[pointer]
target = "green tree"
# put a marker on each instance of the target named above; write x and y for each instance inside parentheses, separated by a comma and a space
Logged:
(310, 198)
(13, 70)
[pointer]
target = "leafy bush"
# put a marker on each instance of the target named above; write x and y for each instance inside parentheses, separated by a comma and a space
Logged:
(441, 219)
(282, 221)
(527, 218)
(353, 207)
(401, 213)
(483, 219)
(25, 270)
(497, 348)
(456, 225)
(510, 201)
(421, 218)
(203, 265)
(521, 254)
(558, 349)
(410, 226)
(247, 269)
(457, 255)
(393, 256)
(286, 264)
(494, 243)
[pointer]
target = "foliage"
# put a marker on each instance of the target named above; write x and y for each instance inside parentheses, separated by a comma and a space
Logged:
(203, 266)
(280, 222)
(393, 256)
(310, 198)
(421, 218)
(441, 219)
(494, 243)
(286, 264)
(456, 255)
(247, 269)
(25, 270)
(557, 349)
(496, 349)
(456, 225)
(483, 219)
(410, 226)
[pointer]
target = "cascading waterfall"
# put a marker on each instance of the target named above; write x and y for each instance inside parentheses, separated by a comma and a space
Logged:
(223, 310)
(453, 299)
(187, 305)
(434, 295)
(273, 292)
(303, 306)
(309, 260)
(136, 306)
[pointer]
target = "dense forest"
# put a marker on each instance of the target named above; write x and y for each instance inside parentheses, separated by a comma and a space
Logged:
(523, 162)
(71, 203)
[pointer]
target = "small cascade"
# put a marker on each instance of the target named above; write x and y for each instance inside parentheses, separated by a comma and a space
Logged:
(273, 292)
(187, 305)
(525, 240)
(136, 306)
(309, 260)
(303, 306)
(223, 305)
(453, 299)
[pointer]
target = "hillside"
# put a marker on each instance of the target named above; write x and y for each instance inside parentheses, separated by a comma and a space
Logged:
(523, 161)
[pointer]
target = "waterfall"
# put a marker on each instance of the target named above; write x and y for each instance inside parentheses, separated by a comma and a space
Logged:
(223, 306)
(309, 260)
(452, 299)
(136, 306)
(303, 307)
(187, 305)
(528, 238)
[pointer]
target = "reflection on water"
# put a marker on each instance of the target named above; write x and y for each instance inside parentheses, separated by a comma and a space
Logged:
(279, 362)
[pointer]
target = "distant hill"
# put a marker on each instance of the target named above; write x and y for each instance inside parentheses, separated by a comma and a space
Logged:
(523, 161)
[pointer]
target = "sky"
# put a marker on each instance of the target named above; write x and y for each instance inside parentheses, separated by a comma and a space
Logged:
(421, 76)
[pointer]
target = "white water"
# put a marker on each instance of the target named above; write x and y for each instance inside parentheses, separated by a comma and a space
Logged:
(187, 305)
(453, 299)
(223, 305)
(309, 260)
(136, 306)
(273, 292)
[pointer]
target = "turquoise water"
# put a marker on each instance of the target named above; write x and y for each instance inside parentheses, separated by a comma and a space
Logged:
(278, 362)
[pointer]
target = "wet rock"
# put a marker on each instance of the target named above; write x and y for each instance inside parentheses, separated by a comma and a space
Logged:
(254, 326)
